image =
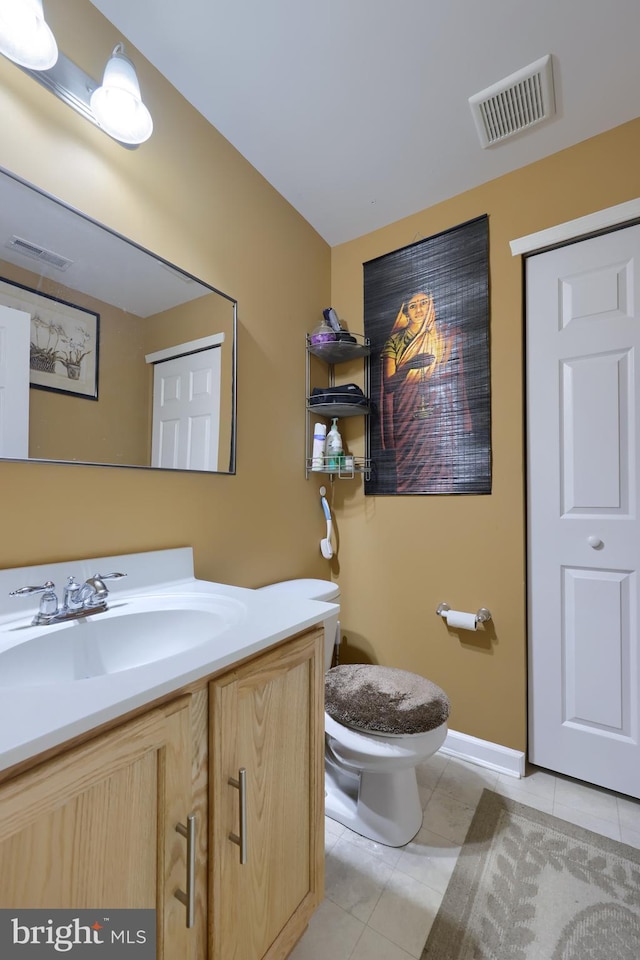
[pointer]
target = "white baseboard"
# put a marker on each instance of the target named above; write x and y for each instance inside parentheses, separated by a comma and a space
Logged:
(484, 753)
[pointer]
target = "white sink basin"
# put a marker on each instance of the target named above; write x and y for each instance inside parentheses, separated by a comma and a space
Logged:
(132, 633)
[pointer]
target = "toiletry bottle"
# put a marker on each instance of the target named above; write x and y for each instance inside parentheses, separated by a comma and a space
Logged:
(319, 440)
(334, 446)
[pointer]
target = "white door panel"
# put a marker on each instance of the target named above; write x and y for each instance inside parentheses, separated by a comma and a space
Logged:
(15, 328)
(596, 606)
(167, 450)
(583, 338)
(594, 420)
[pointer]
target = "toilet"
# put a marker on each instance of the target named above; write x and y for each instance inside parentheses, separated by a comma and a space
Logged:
(380, 723)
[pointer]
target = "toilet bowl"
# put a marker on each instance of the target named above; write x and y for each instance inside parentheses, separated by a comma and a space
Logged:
(380, 723)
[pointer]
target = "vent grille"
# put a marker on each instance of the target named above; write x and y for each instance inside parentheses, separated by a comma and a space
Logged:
(514, 104)
(39, 253)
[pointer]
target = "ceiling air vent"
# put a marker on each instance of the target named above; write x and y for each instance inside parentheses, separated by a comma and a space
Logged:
(38, 253)
(514, 104)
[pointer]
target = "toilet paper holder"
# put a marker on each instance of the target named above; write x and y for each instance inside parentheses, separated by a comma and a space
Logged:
(482, 616)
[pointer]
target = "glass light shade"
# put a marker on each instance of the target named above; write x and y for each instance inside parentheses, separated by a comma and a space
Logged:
(117, 105)
(25, 37)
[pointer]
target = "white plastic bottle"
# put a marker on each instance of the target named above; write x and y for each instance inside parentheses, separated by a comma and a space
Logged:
(319, 440)
(333, 446)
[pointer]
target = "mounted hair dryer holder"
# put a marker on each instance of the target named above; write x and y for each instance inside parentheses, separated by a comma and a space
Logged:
(325, 545)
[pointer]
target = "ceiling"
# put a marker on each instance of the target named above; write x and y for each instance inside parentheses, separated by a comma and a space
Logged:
(357, 111)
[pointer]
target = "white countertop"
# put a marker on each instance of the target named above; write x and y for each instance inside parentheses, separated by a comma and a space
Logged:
(36, 718)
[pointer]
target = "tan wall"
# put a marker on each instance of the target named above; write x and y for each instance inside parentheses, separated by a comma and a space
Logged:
(410, 553)
(190, 197)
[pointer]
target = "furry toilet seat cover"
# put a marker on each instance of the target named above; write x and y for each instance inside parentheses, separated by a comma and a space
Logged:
(384, 700)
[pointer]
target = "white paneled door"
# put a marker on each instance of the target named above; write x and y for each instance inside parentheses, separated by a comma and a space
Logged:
(583, 393)
(186, 411)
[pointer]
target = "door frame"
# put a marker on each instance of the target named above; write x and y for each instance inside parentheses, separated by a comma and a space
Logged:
(601, 221)
(623, 214)
(183, 349)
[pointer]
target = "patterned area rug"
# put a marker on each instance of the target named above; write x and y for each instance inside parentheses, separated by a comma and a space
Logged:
(528, 886)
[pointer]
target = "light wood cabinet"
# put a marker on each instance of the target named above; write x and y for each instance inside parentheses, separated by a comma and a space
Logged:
(267, 718)
(95, 826)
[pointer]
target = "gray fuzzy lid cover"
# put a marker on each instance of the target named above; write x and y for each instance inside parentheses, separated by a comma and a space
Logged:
(368, 697)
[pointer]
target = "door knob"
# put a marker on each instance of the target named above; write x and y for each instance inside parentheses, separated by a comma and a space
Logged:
(595, 542)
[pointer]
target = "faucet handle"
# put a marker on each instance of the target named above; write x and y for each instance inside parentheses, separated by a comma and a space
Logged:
(49, 586)
(49, 600)
(99, 594)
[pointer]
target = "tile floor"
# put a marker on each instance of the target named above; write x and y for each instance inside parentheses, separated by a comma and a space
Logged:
(380, 901)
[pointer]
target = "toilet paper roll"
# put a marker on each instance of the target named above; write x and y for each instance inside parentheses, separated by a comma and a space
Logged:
(461, 620)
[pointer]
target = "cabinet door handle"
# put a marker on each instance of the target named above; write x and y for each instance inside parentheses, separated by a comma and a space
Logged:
(189, 898)
(241, 786)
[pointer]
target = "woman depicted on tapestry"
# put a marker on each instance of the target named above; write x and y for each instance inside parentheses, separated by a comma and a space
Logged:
(424, 411)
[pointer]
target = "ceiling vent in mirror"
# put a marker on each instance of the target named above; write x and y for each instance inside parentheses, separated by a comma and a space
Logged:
(39, 253)
(514, 104)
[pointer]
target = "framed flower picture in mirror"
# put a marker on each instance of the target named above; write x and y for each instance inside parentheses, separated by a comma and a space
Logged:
(64, 341)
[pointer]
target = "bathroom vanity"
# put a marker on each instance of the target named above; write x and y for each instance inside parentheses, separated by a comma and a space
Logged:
(149, 786)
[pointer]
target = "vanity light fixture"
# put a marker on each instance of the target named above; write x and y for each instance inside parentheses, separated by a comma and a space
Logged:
(115, 106)
(25, 36)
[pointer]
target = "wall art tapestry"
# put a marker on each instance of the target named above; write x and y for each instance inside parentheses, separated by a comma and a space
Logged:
(63, 350)
(426, 313)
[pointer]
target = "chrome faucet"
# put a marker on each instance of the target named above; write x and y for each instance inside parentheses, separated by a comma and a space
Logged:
(89, 595)
(79, 600)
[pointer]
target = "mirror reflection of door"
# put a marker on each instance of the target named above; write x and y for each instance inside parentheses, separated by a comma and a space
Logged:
(15, 326)
(186, 407)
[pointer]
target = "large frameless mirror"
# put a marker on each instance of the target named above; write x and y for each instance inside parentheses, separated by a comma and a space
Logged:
(108, 354)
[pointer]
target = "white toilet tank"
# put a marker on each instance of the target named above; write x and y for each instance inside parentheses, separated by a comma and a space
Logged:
(324, 590)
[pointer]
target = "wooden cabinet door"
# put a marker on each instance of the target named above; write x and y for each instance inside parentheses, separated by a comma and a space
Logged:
(95, 826)
(267, 717)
